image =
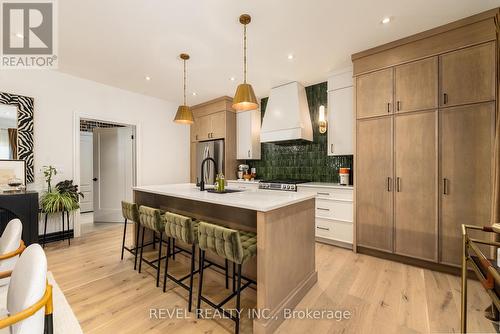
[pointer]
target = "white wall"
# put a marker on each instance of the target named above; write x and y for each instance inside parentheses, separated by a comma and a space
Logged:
(163, 146)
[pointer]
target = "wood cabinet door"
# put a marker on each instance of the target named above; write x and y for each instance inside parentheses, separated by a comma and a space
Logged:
(194, 130)
(374, 94)
(203, 128)
(416, 85)
(218, 125)
(415, 200)
(468, 75)
(374, 183)
(465, 183)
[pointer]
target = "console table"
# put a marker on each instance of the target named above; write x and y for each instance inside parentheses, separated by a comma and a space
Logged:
(22, 205)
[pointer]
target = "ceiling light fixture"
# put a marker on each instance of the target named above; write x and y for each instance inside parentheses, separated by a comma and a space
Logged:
(194, 93)
(184, 114)
(19, 35)
(386, 20)
(232, 78)
(290, 56)
(244, 98)
(147, 78)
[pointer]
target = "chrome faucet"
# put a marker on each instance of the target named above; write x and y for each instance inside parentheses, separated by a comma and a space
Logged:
(202, 181)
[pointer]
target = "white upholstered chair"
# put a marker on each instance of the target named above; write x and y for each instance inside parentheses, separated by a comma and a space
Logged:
(29, 296)
(11, 245)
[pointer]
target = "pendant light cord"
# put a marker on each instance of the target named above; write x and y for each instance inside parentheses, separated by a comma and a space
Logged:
(244, 53)
(185, 82)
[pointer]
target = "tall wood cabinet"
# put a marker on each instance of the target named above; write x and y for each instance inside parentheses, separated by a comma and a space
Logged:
(215, 119)
(425, 123)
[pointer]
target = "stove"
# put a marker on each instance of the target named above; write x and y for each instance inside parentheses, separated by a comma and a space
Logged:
(283, 185)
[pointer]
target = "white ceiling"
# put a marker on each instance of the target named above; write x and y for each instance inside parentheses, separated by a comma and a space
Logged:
(119, 42)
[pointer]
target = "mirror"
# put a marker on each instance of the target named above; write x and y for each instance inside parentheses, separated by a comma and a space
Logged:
(8, 132)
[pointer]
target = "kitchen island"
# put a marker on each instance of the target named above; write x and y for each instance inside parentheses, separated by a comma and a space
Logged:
(284, 221)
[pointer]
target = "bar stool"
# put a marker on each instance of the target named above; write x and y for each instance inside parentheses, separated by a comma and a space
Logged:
(151, 219)
(130, 211)
(233, 245)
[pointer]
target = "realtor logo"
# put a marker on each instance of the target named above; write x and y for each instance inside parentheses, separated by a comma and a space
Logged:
(28, 34)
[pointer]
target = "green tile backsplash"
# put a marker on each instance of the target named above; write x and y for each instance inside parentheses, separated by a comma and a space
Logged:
(302, 160)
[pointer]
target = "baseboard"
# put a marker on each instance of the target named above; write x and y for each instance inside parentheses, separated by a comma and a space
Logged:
(334, 242)
(55, 236)
(444, 268)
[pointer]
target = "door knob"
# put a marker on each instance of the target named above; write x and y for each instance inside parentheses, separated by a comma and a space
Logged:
(94, 179)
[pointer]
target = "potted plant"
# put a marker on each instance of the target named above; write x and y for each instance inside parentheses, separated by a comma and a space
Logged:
(64, 197)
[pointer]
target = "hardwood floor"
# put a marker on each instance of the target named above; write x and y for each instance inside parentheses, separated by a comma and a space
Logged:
(108, 296)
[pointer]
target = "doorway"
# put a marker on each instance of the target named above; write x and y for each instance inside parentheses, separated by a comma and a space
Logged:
(107, 171)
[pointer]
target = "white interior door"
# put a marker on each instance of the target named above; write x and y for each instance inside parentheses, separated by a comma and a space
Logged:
(113, 172)
(86, 171)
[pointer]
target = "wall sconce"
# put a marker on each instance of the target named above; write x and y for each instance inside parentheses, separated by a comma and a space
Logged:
(322, 120)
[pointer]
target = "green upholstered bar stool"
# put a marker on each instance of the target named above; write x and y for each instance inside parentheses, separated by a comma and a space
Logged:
(130, 212)
(151, 219)
(185, 229)
(233, 245)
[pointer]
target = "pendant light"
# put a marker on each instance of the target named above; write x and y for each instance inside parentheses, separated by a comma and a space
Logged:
(245, 99)
(184, 114)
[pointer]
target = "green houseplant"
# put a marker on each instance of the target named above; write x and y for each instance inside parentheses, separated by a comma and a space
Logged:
(64, 197)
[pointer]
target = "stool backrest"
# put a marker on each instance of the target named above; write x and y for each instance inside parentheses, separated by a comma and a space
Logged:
(150, 217)
(9, 242)
(223, 241)
(27, 286)
(179, 227)
(130, 211)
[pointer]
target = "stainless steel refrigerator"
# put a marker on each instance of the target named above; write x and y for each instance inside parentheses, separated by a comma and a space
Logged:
(215, 150)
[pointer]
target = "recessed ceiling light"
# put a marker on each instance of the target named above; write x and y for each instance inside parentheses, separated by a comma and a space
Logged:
(19, 35)
(194, 93)
(290, 56)
(386, 20)
(147, 78)
(232, 78)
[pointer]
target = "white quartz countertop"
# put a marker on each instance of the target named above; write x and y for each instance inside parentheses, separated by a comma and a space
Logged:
(324, 185)
(258, 200)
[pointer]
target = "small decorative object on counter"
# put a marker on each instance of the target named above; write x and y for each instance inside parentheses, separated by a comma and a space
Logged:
(344, 176)
(217, 183)
(253, 173)
(222, 182)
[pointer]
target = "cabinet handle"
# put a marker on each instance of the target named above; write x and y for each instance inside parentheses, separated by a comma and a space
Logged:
(445, 98)
(323, 228)
(388, 107)
(196, 137)
(389, 181)
(398, 105)
(398, 184)
(323, 209)
(325, 194)
(331, 148)
(445, 186)
(249, 153)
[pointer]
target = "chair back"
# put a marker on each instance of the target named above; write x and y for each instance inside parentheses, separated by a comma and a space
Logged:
(224, 242)
(180, 227)
(9, 242)
(151, 218)
(27, 286)
(130, 211)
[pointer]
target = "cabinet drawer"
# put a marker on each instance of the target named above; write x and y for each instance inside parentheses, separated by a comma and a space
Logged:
(332, 209)
(334, 230)
(329, 193)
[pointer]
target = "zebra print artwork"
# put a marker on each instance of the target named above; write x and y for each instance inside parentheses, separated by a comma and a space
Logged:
(25, 109)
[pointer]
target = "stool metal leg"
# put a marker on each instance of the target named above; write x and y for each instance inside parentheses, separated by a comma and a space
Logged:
(193, 255)
(159, 261)
(200, 282)
(234, 277)
(238, 294)
(45, 230)
(69, 235)
(166, 265)
(154, 239)
(142, 248)
(124, 234)
(226, 269)
(137, 232)
(173, 249)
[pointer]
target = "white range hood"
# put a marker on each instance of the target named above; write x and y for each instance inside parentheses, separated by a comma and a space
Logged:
(287, 115)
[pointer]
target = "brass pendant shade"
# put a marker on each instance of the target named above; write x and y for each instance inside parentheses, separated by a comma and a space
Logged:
(184, 114)
(244, 98)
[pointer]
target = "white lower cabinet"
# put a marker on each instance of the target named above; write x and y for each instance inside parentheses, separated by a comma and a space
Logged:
(334, 213)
